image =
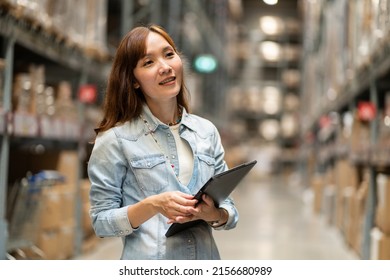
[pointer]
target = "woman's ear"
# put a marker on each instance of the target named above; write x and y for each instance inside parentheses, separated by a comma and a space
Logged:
(136, 85)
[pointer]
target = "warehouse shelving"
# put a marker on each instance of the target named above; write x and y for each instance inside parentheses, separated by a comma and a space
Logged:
(365, 75)
(51, 46)
(261, 75)
(26, 41)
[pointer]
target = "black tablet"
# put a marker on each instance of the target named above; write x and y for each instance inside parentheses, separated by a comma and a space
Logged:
(218, 187)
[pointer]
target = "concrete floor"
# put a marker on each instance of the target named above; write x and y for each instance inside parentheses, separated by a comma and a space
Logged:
(276, 223)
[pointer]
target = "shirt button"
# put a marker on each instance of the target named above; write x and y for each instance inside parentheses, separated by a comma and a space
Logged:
(169, 135)
(148, 164)
(173, 157)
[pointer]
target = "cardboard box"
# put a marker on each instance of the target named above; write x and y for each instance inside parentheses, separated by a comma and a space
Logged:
(360, 136)
(329, 203)
(67, 212)
(380, 245)
(346, 174)
(346, 180)
(317, 186)
(68, 165)
(347, 221)
(382, 217)
(57, 244)
(357, 216)
(49, 243)
(85, 187)
(50, 215)
(86, 221)
(67, 237)
(355, 213)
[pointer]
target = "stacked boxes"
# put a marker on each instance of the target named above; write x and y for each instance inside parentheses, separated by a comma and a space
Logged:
(383, 206)
(317, 184)
(356, 214)
(57, 216)
(85, 204)
(57, 222)
(380, 245)
(340, 195)
(346, 183)
(380, 234)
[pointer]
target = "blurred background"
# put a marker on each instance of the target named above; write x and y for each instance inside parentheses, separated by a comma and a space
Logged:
(300, 85)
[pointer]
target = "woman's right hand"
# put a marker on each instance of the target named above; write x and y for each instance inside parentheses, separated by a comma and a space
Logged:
(174, 205)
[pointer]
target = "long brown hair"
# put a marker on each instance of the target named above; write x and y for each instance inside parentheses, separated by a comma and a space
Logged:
(122, 101)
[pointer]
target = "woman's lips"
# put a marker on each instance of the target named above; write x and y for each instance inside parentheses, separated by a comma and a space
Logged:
(167, 81)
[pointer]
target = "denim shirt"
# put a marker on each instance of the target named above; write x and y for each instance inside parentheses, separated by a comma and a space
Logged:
(126, 166)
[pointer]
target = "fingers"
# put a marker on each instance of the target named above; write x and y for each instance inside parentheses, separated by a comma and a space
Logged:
(182, 210)
(185, 199)
(208, 200)
(183, 203)
(181, 219)
(176, 205)
(181, 215)
(205, 209)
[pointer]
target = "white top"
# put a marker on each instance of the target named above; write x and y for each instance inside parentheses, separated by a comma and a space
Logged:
(186, 159)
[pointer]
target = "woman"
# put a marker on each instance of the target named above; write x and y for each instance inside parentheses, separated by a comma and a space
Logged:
(151, 155)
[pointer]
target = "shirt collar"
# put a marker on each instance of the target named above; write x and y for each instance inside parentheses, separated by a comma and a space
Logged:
(154, 122)
(150, 118)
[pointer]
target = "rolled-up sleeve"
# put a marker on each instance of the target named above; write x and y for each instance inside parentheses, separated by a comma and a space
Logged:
(232, 221)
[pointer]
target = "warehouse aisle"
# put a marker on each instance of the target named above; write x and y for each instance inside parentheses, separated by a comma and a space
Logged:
(276, 223)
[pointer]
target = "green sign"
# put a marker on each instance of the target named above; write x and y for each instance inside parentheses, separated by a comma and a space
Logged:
(205, 63)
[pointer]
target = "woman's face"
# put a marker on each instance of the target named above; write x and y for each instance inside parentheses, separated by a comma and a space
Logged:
(159, 72)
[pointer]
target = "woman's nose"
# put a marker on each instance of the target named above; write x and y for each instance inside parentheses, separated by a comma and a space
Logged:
(164, 68)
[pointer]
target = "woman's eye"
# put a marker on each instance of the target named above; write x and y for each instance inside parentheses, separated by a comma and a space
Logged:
(148, 62)
(170, 54)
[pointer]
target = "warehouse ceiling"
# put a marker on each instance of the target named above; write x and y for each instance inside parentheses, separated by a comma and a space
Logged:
(223, 28)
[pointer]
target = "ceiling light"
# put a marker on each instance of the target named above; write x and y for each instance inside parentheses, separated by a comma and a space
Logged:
(270, 25)
(269, 129)
(270, 2)
(270, 50)
(271, 100)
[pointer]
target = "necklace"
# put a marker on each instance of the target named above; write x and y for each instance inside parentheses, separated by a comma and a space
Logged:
(158, 144)
(178, 120)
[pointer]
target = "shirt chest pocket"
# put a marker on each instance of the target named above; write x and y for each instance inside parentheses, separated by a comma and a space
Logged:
(206, 167)
(151, 173)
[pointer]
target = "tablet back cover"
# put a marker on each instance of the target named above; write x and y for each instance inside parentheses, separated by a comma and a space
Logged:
(219, 187)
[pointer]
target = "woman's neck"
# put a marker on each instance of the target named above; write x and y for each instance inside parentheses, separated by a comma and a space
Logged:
(167, 113)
